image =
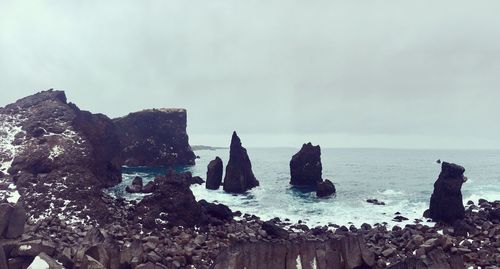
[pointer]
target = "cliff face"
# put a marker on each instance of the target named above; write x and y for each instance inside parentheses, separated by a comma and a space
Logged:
(56, 157)
(154, 138)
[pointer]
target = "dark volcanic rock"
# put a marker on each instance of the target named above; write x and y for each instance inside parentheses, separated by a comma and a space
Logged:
(274, 230)
(446, 200)
(214, 174)
(197, 180)
(62, 155)
(136, 186)
(171, 204)
(325, 188)
(155, 137)
(219, 211)
(305, 166)
(17, 220)
(239, 176)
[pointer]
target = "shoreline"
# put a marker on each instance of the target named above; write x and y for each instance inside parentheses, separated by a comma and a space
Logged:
(200, 247)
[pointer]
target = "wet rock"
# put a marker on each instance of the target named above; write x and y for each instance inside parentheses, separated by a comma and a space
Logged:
(239, 176)
(172, 203)
(149, 188)
(214, 174)
(136, 186)
(375, 202)
(197, 180)
(325, 188)
(399, 218)
(154, 137)
(305, 166)
(274, 230)
(446, 200)
(219, 211)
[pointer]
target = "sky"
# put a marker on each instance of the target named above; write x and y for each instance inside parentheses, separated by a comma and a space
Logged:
(388, 74)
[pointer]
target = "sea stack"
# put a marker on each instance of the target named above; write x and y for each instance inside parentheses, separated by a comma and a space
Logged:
(305, 166)
(155, 137)
(446, 201)
(239, 176)
(214, 174)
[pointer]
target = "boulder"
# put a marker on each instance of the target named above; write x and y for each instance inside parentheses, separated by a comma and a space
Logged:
(305, 166)
(239, 176)
(5, 212)
(44, 261)
(325, 188)
(274, 230)
(446, 201)
(154, 137)
(17, 221)
(136, 185)
(171, 203)
(197, 180)
(219, 211)
(214, 174)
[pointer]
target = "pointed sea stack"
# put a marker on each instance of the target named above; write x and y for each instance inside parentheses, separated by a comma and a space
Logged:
(446, 200)
(305, 166)
(239, 176)
(214, 174)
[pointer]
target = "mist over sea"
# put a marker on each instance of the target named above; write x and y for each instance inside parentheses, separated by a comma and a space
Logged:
(403, 179)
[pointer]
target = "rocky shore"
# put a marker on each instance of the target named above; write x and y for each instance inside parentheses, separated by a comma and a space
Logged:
(55, 161)
(473, 242)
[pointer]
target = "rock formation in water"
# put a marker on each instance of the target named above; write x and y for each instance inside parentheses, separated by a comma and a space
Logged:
(239, 176)
(446, 201)
(306, 171)
(57, 158)
(305, 166)
(171, 203)
(155, 137)
(214, 174)
(136, 186)
(325, 188)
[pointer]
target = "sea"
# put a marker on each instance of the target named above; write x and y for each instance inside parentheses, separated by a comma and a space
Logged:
(402, 179)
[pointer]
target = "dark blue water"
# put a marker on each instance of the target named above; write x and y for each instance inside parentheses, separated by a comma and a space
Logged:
(403, 179)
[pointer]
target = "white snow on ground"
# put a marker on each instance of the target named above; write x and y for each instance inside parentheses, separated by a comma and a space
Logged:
(56, 151)
(39, 263)
(10, 126)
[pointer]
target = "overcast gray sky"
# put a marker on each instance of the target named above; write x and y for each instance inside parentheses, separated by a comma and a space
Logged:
(410, 74)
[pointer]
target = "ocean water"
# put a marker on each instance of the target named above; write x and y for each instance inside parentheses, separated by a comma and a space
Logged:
(403, 179)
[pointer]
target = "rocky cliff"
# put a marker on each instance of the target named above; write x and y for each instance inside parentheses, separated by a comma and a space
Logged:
(56, 158)
(155, 137)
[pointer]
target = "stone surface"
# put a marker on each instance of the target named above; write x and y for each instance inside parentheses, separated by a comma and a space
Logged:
(305, 166)
(446, 201)
(325, 188)
(154, 137)
(239, 175)
(214, 174)
(17, 221)
(136, 186)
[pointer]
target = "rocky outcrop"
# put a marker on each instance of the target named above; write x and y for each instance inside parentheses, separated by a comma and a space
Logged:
(214, 174)
(57, 157)
(136, 186)
(325, 188)
(155, 137)
(171, 204)
(305, 166)
(239, 176)
(306, 171)
(446, 200)
(340, 252)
